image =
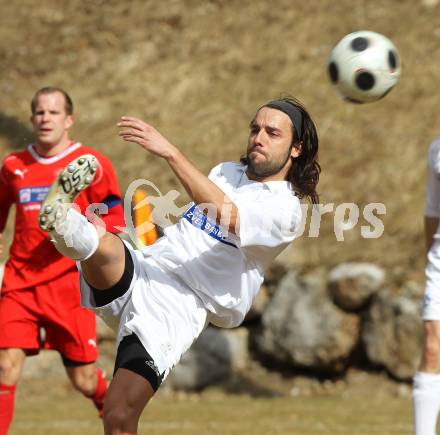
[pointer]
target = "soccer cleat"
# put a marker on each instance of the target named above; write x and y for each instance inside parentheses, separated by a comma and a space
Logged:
(69, 184)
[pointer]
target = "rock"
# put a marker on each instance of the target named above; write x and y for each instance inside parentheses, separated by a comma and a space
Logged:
(211, 359)
(412, 290)
(302, 328)
(47, 364)
(272, 277)
(274, 274)
(351, 285)
(393, 332)
(103, 331)
(107, 357)
(259, 305)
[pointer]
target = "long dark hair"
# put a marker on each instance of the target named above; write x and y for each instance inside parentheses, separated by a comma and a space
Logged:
(305, 169)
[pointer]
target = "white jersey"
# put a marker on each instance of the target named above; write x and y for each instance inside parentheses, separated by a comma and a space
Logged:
(431, 304)
(432, 206)
(227, 270)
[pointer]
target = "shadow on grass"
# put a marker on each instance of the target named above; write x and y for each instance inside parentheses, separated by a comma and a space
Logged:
(17, 134)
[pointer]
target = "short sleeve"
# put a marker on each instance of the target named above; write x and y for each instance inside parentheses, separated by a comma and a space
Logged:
(228, 172)
(215, 172)
(267, 225)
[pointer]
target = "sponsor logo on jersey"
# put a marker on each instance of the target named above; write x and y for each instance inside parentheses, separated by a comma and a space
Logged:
(20, 173)
(152, 366)
(32, 207)
(200, 220)
(92, 342)
(32, 194)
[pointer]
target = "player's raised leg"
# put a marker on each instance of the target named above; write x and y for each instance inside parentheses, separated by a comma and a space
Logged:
(105, 265)
(102, 258)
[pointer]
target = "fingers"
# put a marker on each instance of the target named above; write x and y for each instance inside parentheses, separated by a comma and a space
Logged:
(132, 132)
(134, 139)
(131, 122)
(130, 118)
(136, 131)
(133, 129)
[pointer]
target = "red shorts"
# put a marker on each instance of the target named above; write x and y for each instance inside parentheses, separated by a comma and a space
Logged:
(54, 307)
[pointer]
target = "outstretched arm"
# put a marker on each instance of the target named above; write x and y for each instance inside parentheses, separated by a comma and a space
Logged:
(199, 187)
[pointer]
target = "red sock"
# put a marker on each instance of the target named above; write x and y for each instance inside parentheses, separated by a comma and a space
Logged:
(100, 392)
(7, 396)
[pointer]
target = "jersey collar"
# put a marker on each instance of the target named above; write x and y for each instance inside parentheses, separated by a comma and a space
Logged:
(273, 186)
(52, 159)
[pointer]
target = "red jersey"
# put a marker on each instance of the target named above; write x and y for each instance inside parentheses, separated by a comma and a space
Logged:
(25, 179)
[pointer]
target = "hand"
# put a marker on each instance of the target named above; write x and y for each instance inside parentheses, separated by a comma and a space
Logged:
(137, 131)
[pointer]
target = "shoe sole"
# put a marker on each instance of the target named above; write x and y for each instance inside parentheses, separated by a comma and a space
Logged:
(74, 178)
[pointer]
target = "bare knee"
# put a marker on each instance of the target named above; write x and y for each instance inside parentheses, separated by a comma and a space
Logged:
(431, 348)
(83, 379)
(110, 248)
(128, 395)
(11, 364)
(120, 418)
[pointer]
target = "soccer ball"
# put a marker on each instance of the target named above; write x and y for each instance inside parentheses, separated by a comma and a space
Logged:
(364, 66)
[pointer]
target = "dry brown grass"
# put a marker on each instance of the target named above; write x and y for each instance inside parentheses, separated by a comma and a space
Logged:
(198, 69)
(365, 410)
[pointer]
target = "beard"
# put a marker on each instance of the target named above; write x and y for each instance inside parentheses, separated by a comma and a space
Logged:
(268, 167)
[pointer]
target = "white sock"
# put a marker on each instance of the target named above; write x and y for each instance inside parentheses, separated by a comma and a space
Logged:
(75, 237)
(426, 402)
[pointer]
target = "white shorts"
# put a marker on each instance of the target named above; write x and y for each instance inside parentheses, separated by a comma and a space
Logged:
(158, 307)
(431, 300)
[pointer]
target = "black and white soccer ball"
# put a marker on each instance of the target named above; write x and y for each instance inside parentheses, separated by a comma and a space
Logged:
(364, 66)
